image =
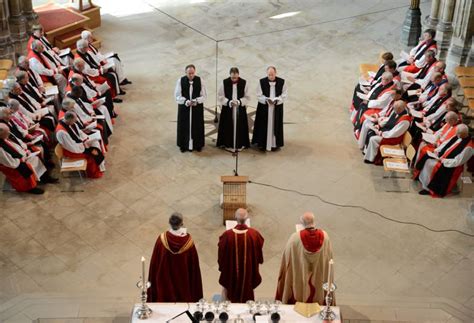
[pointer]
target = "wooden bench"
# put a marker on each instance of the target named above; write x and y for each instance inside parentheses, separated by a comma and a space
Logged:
(6, 64)
(464, 71)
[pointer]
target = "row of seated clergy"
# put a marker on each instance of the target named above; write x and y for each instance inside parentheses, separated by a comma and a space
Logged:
(175, 274)
(383, 109)
(49, 64)
(233, 131)
(36, 122)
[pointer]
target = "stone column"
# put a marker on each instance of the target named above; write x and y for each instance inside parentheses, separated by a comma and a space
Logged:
(470, 56)
(6, 44)
(463, 31)
(18, 25)
(411, 29)
(444, 30)
(30, 15)
(433, 19)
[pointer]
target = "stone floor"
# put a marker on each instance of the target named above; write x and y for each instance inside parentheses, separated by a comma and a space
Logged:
(60, 246)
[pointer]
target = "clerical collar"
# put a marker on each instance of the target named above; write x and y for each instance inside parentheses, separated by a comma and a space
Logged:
(181, 232)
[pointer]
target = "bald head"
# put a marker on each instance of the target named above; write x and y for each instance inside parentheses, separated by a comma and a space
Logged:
(462, 131)
(241, 215)
(4, 131)
(307, 220)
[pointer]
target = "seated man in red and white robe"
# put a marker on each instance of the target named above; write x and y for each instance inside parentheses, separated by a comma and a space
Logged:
(359, 91)
(305, 265)
(90, 86)
(446, 132)
(423, 94)
(21, 168)
(95, 71)
(376, 118)
(28, 128)
(174, 273)
(91, 96)
(440, 170)
(101, 59)
(47, 67)
(42, 113)
(37, 33)
(434, 107)
(77, 144)
(365, 85)
(374, 101)
(415, 60)
(92, 114)
(390, 132)
(34, 78)
(414, 81)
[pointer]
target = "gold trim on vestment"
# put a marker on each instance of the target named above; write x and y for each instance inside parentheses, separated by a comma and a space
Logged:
(184, 248)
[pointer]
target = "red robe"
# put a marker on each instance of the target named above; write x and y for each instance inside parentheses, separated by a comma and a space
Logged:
(92, 169)
(22, 179)
(240, 254)
(174, 272)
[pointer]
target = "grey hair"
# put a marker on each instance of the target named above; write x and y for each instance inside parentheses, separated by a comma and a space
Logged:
(77, 61)
(387, 76)
(82, 43)
(13, 104)
(67, 102)
(22, 60)
(21, 75)
(36, 44)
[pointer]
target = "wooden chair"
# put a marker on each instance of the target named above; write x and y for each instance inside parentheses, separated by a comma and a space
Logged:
(466, 82)
(364, 69)
(469, 93)
(396, 151)
(58, 150)
(6, 64)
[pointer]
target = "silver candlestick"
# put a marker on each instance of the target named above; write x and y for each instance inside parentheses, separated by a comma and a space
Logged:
(143, 312)
(327, 313)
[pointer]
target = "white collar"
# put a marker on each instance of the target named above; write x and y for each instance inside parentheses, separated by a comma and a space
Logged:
(180, 232)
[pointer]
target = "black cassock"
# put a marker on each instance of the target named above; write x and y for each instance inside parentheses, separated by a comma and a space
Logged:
(225, 135)
(261, 118)
(197, 121)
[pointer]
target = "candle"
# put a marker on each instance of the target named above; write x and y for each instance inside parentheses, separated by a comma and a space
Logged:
(143, 273)
(330, 278)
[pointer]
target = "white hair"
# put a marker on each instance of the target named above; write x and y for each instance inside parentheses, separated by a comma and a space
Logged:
(86, 34)
(387, 76)
(82, 43)
(13, 104)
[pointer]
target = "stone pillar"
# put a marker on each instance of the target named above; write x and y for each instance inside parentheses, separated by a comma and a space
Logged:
(18, 25)
(411, 30)
(30, 15)
(433, 19)
(463, 30)
(444, 30)
(470, 56)
(6, 44)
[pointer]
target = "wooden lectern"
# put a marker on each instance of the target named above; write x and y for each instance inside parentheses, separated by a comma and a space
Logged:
(235, 195)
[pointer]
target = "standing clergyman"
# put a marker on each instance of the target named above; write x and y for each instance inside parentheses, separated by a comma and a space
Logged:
(190, 94)
(233, 125)
(268, 130)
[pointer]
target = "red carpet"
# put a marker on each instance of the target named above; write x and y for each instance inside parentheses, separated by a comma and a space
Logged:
(53, 17)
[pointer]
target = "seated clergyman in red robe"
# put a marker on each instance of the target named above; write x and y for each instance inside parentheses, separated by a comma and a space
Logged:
(305, 265)
(174, 272)
(239, 256)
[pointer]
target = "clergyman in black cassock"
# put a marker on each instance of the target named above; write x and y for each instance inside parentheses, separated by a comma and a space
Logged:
(271, 94)
(233, 95)
(190, 94)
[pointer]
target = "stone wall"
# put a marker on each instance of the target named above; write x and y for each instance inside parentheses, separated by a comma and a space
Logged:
(16, 19)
